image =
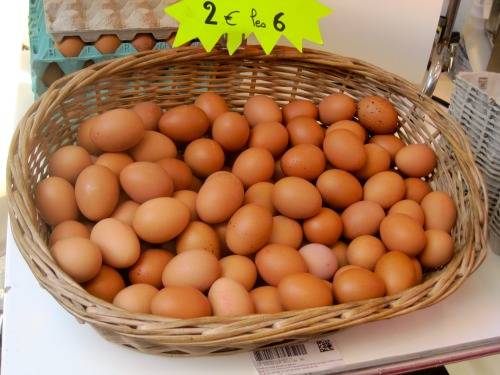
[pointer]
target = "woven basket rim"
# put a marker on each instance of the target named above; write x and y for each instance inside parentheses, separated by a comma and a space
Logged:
(220, 335)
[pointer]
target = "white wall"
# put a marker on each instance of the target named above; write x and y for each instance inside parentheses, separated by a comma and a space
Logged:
(463, 10)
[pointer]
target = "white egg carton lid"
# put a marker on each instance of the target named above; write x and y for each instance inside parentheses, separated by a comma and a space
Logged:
(90, 19)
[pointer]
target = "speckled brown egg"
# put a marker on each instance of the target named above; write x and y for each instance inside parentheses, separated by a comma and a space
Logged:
(377, 114)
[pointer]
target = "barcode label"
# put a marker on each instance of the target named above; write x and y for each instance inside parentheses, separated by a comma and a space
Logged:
(280, 352)
(319, 355)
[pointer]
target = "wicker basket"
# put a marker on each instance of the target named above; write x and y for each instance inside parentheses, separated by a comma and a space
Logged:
(178, 76)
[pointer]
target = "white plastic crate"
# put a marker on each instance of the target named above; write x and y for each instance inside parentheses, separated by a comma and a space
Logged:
(475, 105)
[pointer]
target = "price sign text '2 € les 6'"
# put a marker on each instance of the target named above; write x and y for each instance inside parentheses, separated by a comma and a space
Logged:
(209, 20)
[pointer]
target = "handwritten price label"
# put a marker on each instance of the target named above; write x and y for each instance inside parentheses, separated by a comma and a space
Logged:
(268, 20)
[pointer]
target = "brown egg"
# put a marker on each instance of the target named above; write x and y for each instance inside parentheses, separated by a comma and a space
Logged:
(323, 228)
(339, 189)
(286, 231)
(249, 229)
(304, 129)
(230, 298)
(363, 217)
(83, 136)
(357, 284)
(97, 192)
(148, 268)
(416, 160)
(270, 135)
(66, 229)
(107, 44)
(260, 108)
(136, 298)
(439, 210)
(144, 180)
(296, 198)
(118, 242)
(117, 130)
(278, 173)
(150, 113)
(254, 165)
(377, 114)
(184, 123)
(351, 125)
(397, 270)
(204, 156)
(231, 131)
(219, 197)
(180, 302)
(188, 197)
(418, 270)
(416, 189)
(320, 259)
(153, 146)
(115, 161)
(274, 262)
(125, 211)
(344, 150)
(195, 267)
(51, 74)
(410, 208)
(79, 257)
(143, 42)
(386, 188)
(389, 142)
(343, 269)
(303, 160)
(68, 161)
(365, 251)
(70, 46)
(198, 235)
(266, 300)
(438, 250)
(303, 291)
(161, 219)
(377, 160)
(106, 284)
(220, 229)
(55, 200)
(212, 104)
(180, 172)
(339, 248)
(261, 193)
(335, 107)
(402, 232)
(299, 107)
(239, 268)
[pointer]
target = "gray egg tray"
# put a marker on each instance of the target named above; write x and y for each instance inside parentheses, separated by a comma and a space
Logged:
(90, 19)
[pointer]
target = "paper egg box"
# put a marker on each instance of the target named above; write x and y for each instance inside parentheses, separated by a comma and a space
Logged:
(43, 52)
(125, 18)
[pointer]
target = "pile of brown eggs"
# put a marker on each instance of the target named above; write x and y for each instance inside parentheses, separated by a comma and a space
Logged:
(197, 210)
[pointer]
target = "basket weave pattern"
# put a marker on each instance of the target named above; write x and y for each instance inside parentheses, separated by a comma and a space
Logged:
(178, 76)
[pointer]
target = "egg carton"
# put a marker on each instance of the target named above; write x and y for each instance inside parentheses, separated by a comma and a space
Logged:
(44, 54)
(90, 19)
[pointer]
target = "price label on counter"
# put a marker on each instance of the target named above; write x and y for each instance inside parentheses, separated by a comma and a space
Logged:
(209, 20)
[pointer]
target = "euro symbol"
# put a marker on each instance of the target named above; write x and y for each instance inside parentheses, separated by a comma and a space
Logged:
(229, 18)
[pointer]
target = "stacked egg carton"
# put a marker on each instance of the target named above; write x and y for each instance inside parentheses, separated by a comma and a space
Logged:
(475, 104)
(54, 22)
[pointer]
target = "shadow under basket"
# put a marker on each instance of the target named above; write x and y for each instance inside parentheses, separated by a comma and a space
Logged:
(178, 76)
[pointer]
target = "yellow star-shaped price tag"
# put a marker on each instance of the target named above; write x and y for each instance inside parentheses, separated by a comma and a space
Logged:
(209, 20)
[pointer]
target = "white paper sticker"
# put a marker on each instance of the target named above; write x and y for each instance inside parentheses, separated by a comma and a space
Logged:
(311, 357)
